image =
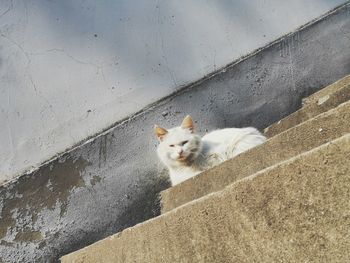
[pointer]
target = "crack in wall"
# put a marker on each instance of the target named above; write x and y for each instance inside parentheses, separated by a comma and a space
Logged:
(99, 68)
(171, 74)
(65, 53)
(28, 57)
(8, 9)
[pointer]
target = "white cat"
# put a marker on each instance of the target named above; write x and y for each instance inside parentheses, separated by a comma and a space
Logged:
(186, 154)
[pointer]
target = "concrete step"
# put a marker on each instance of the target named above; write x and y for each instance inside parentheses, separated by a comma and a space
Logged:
(295, 211)
(301, 138)
(321, 101)
(327, 91)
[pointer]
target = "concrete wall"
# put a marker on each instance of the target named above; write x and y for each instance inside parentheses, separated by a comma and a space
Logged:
(111, 182)
(70, 69)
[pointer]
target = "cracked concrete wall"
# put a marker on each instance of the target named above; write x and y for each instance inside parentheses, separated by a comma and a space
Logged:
(69, 69)
(111, 182)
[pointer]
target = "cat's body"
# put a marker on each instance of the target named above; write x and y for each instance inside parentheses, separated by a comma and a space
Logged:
(186, 154)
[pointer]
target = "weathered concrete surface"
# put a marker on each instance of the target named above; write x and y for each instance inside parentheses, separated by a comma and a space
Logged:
(71, 68)
(119, 170)
(322, 101)
(304, 137)
(334, 87)
(296, 211)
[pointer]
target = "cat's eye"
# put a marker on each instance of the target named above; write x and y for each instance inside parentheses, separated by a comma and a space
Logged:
(183, 143)
(171, 145)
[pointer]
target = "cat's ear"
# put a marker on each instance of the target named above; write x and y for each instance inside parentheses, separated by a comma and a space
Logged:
(160, 132)
(187, 123)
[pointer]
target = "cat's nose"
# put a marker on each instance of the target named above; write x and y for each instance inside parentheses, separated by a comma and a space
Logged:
(180, 152)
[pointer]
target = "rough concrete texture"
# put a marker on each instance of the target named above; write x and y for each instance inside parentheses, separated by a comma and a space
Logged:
(324, 100)
(334, 87)
(302, 138)
(118, 174)
(296, 211)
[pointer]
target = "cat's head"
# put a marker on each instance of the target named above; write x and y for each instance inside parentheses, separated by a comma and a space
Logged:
(178, 146)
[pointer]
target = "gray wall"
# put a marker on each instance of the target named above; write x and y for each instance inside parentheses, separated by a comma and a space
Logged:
(111, 182)
(71, 68)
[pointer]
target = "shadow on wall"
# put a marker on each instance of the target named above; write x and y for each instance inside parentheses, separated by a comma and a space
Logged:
(117, 35)
(145, 204)
(120, 34)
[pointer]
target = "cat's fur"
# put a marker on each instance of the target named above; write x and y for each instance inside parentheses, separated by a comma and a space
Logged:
(186, 154)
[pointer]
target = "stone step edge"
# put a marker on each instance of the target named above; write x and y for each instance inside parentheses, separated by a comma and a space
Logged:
(340, 142)
(312, 109)
(326, 90)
